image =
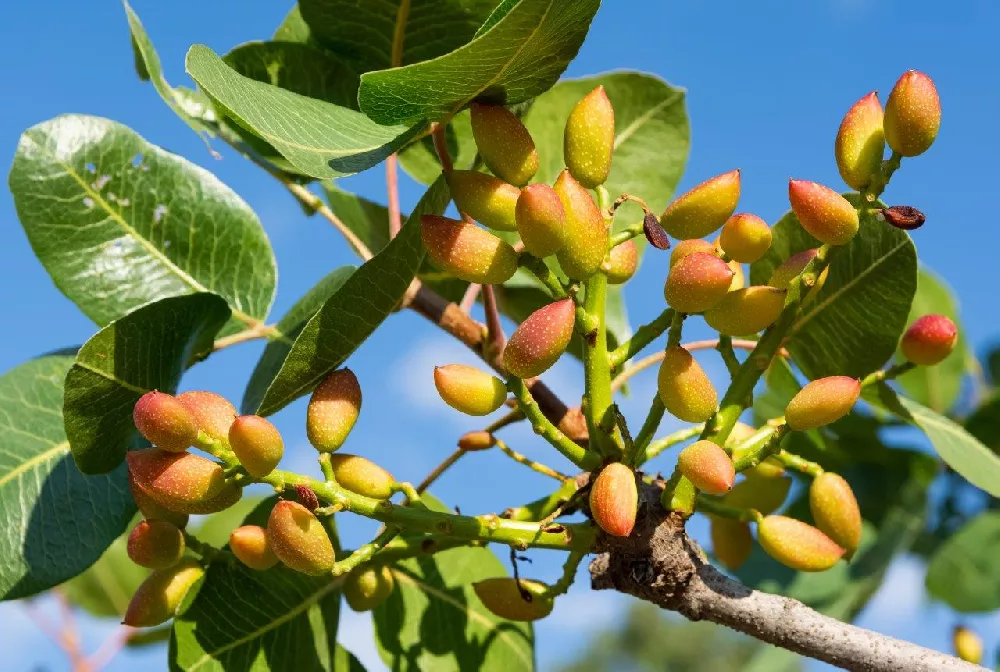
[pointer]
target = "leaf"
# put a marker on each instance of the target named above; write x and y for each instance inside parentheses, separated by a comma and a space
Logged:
(215, 528)
(56, 521)
(146, 350)
(984, 423)
(420, 159)
(852, 326)
(963, 571)
(365, 31)
(960, 450)
(293, 28)
(519, 57)
(936, 387)
(353, 313)
(318, 138)
(652, 135)
(369, 220)
(105, 589)
(291, 325)
(434, 621)
(118, 222)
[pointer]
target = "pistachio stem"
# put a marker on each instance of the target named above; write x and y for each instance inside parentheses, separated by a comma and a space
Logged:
(326, 466)
(715, 507)
(540, 509)
(572, 564)
(581, 457)
(725, 348)
(445, 465)
(531, 464)
(643, 336)
(365, 553)
(797, 463)
(646, 432)
(544, 274)
(660, 445)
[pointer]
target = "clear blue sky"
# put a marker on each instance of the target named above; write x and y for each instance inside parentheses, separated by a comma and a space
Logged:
(768, 83)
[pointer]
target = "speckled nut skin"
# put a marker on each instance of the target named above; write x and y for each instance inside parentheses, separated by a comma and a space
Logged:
(688, 247)
(929, 340)
(250, 546)
(860, 143)
(702, 210)
(504, 144)
(362, 476)
(155, 544)
(158, 597)
(825, 214)
(821, 402)
(589, 140)
(150, 509)
(683, 387)
(487, 199)
(540, 340)
(213, 413)
(257, 444)
(835, 510)
(467, 251)
(367, 587)
(523, 600)
(182, 482)
(745, 238)
(746, 311)
(797, 545)
(912, 114)
(298, 539)
(614, 499)
(541, 220)
(586, 232)
(697, 282)
(622, 263)
(732, 542)
(707, 466)
(165, 421)
(333, 409)
(469, 390)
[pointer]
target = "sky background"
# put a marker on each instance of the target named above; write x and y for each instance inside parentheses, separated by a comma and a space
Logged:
(768, 83)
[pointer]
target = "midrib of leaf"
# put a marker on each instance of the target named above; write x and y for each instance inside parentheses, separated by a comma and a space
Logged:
(109, 377)
(62, 447)
(399, 33)
(115, 216)
(291, 614)
(640, 121)
(821, 306)
(471, 613)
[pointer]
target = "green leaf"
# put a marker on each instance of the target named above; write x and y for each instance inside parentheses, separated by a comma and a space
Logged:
(365, 31)
(519, 57)
(215, 529)
(960, 450)
(853, 325)
(291, 325)
(984, 423)
(353, 313)
(318, 138)
(105, 589)
(367, 219)
(963, 573)
(936, 387)
(146, 350)
(652, 135)
(56, 521)
(118, 222)
(293, 28)
(434, 621)
(420, 159)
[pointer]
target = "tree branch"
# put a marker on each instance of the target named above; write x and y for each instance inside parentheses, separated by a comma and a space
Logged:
(659, 563)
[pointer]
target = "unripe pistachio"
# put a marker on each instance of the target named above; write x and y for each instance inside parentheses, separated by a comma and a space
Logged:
(298, 539)
(739, 279)
(912, 114)
(968, 645)
(835, 510)
(487, 199)
(469, 390)
(821, 402)
(150, 509)
(791, 268)
(697, 282)
(929, 340)
(688, 247)
(182, 482)
(746, 311)
(472, 441)
(164, 421)
(541, 220)
(540, 340)
(213, 413)
(860, 142)
(684, 388)
(614, 499)
(825, 214)
(797, 545)
(745, 237)
(155, 544)
(367, 587)
(707, 466)
(586, 233)
(732, 542)
(523, 600)
(590, 138)
(762, 494)
(257, 444)
(158, 597)
(702, 210)
(333, 409)
(362, 476)
(467, 251)
(250, 546)
(504, 143)
(622, 262)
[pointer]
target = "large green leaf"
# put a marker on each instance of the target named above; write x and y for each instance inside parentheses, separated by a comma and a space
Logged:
(853, 325)
(960, 450)
(291, 325)
(146, 350)
(434, 621)
(652, 134)
(353, 313)
(118, 222)
(963, 572)
(105, 589)
(293, 28)
(519, 57)
(56, 522)
(984, 423)
(365, 31)
(936, 387)
(318, 138)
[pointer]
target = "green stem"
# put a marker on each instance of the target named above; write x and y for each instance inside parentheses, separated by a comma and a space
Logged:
(768, 448)
(797, 463)
(893, 372)
(573, 452)
(596, 371)
(643, 336)
(208, 552)
(531, 464)
(572, 564)
(715, 507)
(626, 234)
(676, 330)
(326, 466)
(725, 348)
(402, 548)
(660, 445)
(366, 552)
(544, 274)
(540, 509)
(649, 427)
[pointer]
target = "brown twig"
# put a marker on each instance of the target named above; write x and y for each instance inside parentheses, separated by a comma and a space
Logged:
(109, 648)
(440, 469)
(392, 186)
(496, 338)
(469, 298)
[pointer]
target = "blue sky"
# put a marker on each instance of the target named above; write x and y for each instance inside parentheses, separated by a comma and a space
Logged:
(768, 83)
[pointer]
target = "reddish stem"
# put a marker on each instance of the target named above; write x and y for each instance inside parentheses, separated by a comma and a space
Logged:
(392, 184)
